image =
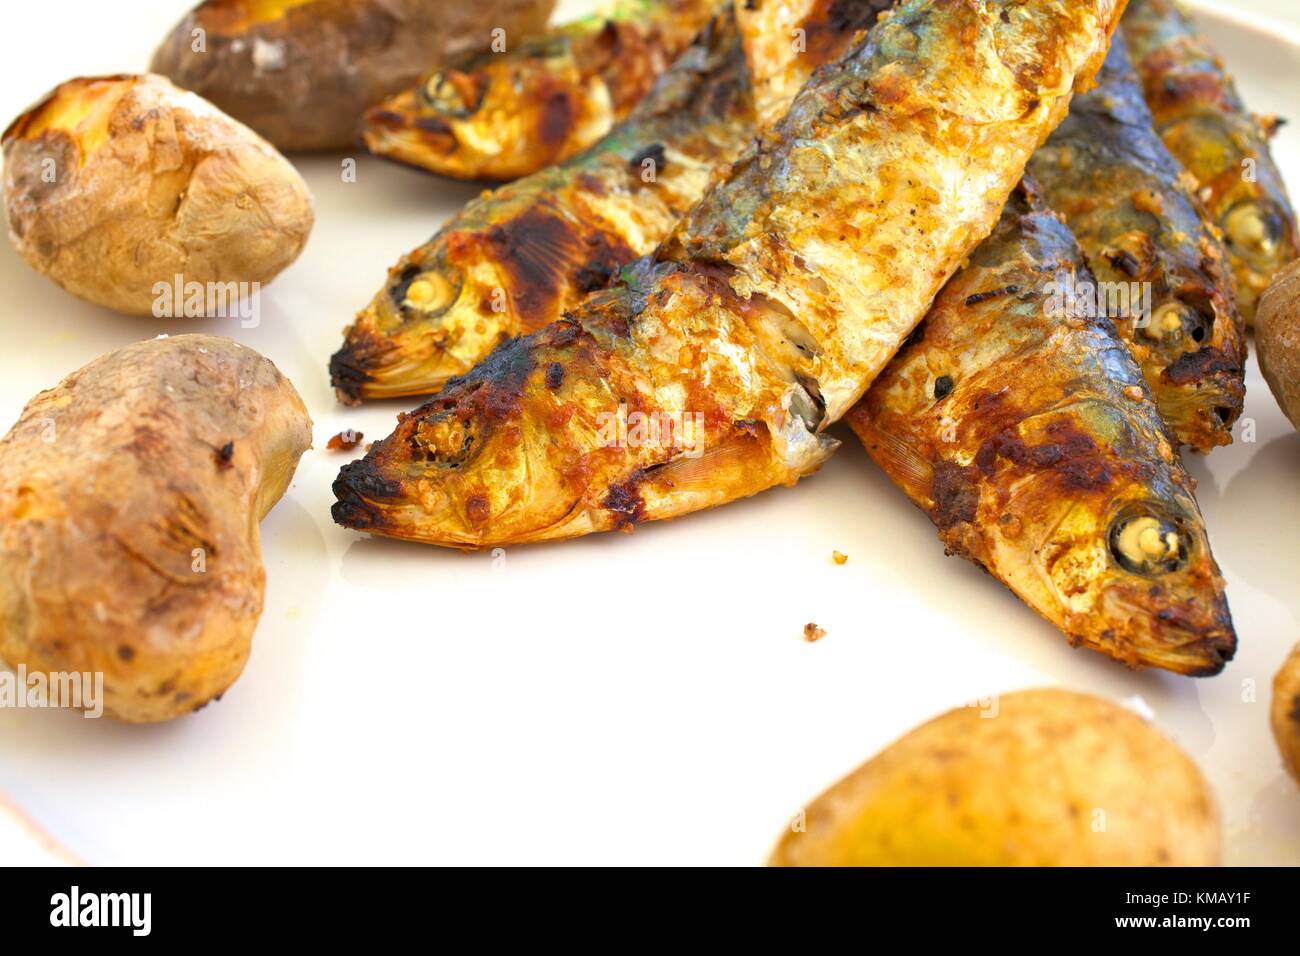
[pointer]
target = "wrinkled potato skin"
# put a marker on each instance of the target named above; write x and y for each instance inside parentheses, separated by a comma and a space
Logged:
(302, 72)
(109, 483)
(1277, 335)
(150, 182)
(1286, 712)
(1017, 789)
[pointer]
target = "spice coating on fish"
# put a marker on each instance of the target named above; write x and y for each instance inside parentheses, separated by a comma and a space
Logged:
(710, 371)
(1164, 275)
(507, 113)
(516, 258)
(783, 37)
(1206, 125)
(1034, 445)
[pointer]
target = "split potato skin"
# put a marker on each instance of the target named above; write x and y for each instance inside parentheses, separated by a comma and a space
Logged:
(1277, 336)
(1053, 778)
(115, 184)
(302, 72)
(1285, 713)
(130, 496)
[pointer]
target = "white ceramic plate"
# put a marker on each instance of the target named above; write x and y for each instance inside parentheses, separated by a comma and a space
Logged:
(643, 699)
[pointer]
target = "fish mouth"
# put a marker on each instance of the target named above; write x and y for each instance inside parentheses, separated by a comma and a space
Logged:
(1191, 637)
(401, 129)
(370, 368)
(360, 490)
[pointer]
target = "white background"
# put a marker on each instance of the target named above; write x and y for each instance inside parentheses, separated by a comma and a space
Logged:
(642, 699)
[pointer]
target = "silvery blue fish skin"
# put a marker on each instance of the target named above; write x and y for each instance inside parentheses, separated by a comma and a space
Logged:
(1163, 273)
(1204, 122)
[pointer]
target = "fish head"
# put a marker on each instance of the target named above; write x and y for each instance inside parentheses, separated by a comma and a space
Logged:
(468, 120)
(1115, 546)
(437, 314)
(477, 465)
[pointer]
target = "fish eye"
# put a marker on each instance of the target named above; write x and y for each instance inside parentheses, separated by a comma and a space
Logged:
(1146, 542)
(445, 439)
(454, 93)
(425, 293)
(1178, 320)
(1256, 230)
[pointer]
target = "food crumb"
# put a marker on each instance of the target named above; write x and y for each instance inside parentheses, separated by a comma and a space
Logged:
(839, 557)
(1134, 393)
(811, 633)
(345, 440)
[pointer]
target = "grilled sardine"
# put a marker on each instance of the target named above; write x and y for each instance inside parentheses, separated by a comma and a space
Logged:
(516, 259)
(711, 370)
(510, 112)
(1031, 440)
(1163, 274)
(1205, 124)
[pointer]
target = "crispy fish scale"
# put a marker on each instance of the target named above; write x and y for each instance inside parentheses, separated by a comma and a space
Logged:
(1107, 173)
(516, 258)
(1206, 125)
(782, 37)
(502, 115)
(765, 317)
(1033, 443)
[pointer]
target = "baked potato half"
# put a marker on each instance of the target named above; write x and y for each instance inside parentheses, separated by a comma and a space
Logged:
(301, 72)
(114, 186)
(1285, 713)
(130, 496)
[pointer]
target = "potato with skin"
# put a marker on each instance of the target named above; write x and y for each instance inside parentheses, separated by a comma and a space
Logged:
(1048, 778)
(1286, 712)
(115, 185)
(130, 496)
(1277, 336)
(302, 72)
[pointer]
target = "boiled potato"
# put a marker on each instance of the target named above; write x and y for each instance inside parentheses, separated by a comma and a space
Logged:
(1277, 336)
(1047, 778)
(301, 72)
(130, 496)
(114, 186)
(1286, 712)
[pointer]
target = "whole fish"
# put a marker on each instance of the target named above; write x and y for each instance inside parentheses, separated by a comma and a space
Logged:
(1163, 274)
(515, 259)
(1207, 126)
(710, 372)
(1031, 440)
(532, 102)
(785, 39)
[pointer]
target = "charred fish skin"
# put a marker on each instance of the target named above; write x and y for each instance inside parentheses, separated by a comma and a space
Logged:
(783, 37)
(1163, 272)
(710, 371)
(1033, 443)
(1206, 125)
(516, 258)
(506, 113)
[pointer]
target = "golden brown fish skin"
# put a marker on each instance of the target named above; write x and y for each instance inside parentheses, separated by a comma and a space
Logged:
(1106, 171)
(770, 310)
(1032, 442)
(516, 258)
(502, 115)
(1207, 127)
(786, 39)
(524, 254)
